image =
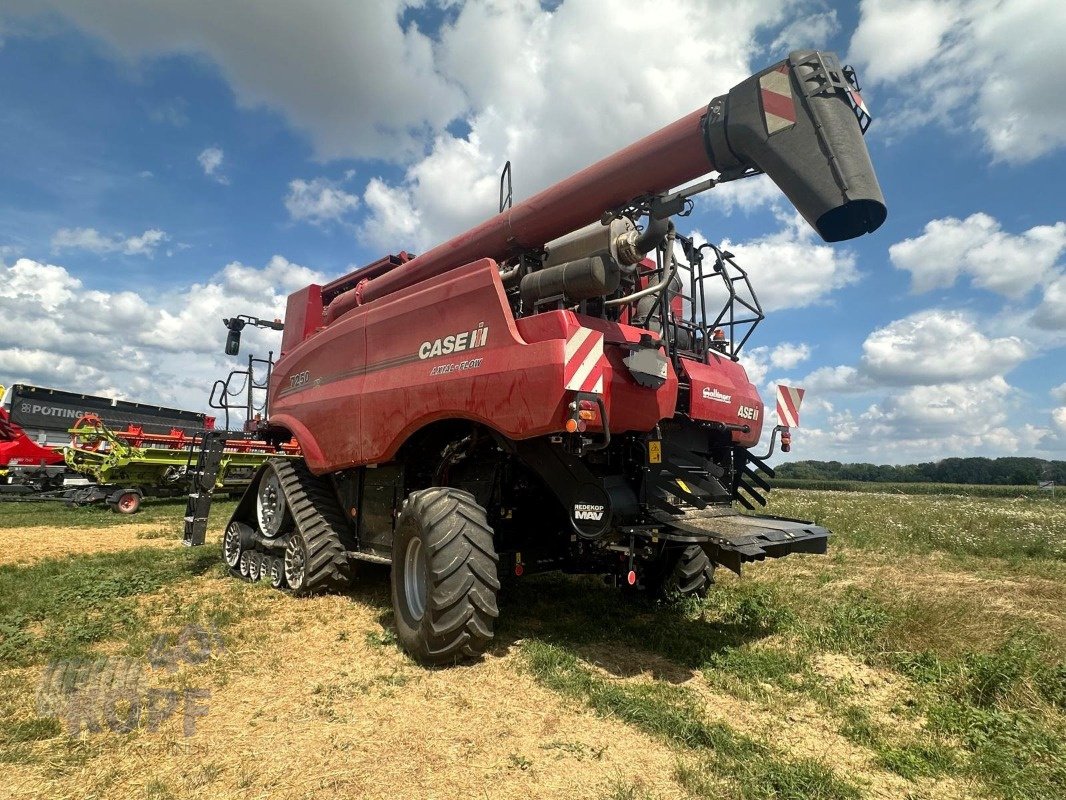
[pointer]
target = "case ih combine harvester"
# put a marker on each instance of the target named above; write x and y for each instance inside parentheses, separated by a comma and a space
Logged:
(82, 449)
(550, 390)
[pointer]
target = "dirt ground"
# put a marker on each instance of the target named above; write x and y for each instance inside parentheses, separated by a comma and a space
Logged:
(305, 698)
(29, 545)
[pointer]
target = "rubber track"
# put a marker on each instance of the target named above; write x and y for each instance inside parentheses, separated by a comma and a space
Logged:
(322, 524)
(463, 563)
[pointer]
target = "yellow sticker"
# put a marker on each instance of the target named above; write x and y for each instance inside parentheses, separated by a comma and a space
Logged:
(683, 485)
(655, 452)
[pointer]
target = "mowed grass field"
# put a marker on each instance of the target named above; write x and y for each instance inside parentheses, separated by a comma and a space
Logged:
(924, 657)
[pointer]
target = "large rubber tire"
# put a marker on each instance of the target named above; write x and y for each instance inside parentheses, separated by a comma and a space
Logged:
(681, 572)
(444, 577)
(271, 508)
(316, 555)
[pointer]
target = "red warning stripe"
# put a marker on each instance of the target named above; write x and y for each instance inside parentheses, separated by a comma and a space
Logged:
(778, 105)
(584, 361)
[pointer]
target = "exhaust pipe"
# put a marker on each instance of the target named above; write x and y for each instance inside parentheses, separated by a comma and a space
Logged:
(799, 122)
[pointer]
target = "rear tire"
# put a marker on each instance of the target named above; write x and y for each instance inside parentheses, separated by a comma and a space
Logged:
(444, 577)
(686, 572)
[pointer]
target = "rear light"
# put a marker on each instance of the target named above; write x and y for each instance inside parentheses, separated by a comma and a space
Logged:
(582, 412)
(786, 440)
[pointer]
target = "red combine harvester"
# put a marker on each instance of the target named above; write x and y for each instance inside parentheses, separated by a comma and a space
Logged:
(540, 392)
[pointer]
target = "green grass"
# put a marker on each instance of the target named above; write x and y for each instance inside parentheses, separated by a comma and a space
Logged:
(673, 714)
(1019, 530)
(988, 686)
(62, 608)
(56, 514)
(960, 489)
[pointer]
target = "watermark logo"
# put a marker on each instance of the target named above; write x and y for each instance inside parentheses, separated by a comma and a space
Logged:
(112, 693)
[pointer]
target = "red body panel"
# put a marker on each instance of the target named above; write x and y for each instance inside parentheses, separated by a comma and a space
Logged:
(353, 392)
(721, 392)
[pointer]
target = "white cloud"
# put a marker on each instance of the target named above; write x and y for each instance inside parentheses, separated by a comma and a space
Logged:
(211, 159)
(164, 348)
(349, 74)
(790, 270)
(978, 247)
(832, 380)
(808, 31)
(747, 195)
(979, 64)
(934, 347)
(1051, 313)
(1059, 393)
(1058, 417)
(540, 104)
(927, 423)
(319, 201)
(95, 242)
(786, 356)
(758, 361)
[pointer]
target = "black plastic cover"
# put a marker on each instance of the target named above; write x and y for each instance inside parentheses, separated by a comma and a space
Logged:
(811, 145)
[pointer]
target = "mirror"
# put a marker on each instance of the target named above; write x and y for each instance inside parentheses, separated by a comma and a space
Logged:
(233, 342)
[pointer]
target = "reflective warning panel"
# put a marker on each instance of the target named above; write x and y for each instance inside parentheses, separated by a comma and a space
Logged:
(788, 405)
(778, 107)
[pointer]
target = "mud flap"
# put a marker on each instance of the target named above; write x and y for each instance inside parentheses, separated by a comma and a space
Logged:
(731, 539)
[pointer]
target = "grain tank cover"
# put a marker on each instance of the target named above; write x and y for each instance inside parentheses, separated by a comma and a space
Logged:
(801, 122)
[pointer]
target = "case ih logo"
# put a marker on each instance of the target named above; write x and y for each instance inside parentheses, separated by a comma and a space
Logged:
(588, 511)
(717, 396)
(455, 343)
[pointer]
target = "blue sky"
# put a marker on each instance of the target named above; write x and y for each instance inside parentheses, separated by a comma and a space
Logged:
(169, 163)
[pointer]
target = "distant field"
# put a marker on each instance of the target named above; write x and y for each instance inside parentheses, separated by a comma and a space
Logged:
(924, 657)
(967, 489)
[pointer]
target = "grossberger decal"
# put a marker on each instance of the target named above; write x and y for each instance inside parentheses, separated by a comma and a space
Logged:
(455, 342)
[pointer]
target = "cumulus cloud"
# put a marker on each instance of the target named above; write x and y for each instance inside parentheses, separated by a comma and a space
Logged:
(979, 64)
(164, 348)
(95, 242)
(934, 347)
(210, 160)
(758, 361)
(941, 390)
(807, 31)
(927, 423)
(789, 269)
(979, 248)
(1051, 313)
(545, 109)
(319, 201)
(320, 64)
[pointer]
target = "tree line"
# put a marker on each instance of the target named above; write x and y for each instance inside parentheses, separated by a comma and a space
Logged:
(1009, 471)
